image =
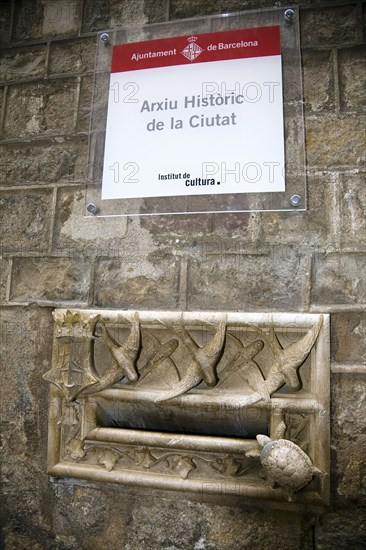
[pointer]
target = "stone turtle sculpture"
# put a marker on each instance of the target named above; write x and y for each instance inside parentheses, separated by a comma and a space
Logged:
(286, 464)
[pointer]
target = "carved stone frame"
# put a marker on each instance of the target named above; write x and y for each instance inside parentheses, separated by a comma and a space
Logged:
(96, 430)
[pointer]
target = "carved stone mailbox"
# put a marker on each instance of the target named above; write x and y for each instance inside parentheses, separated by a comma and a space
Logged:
(176, 400)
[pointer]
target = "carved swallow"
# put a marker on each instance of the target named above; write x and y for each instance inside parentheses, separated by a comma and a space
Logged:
(123, 358)
(287, 361)
(160, 356)
(243, 357)
(203, 361)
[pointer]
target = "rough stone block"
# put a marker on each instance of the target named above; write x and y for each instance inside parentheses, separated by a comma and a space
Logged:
(34, 20)
(156, 11)
(353, 208)
(341, 529)
(19, 63)
(152, 282)
(61, 160)
(352, 78)
(106, 14)
(4, 276)
(339, 279)
(5, 22)
(25, 335)
(85, 104)
(220, 527)
(25, 220)
(335, 142)
(89, 236)
(176, 225)
(348, 436)
(44, 108)
(246, 282)
(53, 279)
(331, 26)
(2, 97)
(180, 9)
(318, 80)
(71, 521)
(348, 337)
(306, 229)
(72, 56)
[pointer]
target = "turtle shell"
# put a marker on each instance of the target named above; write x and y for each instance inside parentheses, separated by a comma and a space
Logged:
(287, 464)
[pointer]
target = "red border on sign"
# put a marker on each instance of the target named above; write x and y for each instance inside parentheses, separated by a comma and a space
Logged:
(201, 48)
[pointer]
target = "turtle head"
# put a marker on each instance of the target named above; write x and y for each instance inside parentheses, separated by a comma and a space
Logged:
(263, 440)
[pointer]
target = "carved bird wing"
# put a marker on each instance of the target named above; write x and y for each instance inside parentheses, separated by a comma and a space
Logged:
(162, 353)
(108, 380)
(274, 342)
(248, 370)
(151, 344)
(294, 355)
(186, 339)
(209, 354)
(252, 374)
(192, 379)
(132, 344)
(238, 344)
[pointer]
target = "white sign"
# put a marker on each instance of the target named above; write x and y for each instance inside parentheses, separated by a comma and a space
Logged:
(196, 115)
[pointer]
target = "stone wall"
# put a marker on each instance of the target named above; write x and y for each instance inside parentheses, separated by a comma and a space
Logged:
(51, 255)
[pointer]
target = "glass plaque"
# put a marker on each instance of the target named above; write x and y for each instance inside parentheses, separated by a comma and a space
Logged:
(196, 116)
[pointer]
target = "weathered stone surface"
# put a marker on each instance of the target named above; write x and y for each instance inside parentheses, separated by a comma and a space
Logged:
(75, 234)
(44, 108)
(334, 142)
(177, 225)
(19, 63)
(106, 14)
(352, 77)
(34, 20)
(348, 337)
(306, 229)
(61, 160)
(318, 80)
(254, 282)
(72, 56)
(2, 97)
(156, 11)
(348, 399)
(5, 22)
(348, 438)
(152, 283)
(329, 26)
(83, 510)
(353, 208)
(25, 220)
(191, 8)
(26, 498)
(85, 104)
(342, 529)
(183, 525)
(50, 279)
(4, 276)
(26, 353)
(234, 225)
(352, 469)
(339, 279)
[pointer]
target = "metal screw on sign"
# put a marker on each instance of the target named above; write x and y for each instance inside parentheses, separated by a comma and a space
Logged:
(289, 15)
(295, 200)
(104, 38)
(92, 208)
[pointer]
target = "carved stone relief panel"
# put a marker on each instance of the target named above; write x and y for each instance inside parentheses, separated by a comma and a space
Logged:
(193, 401)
